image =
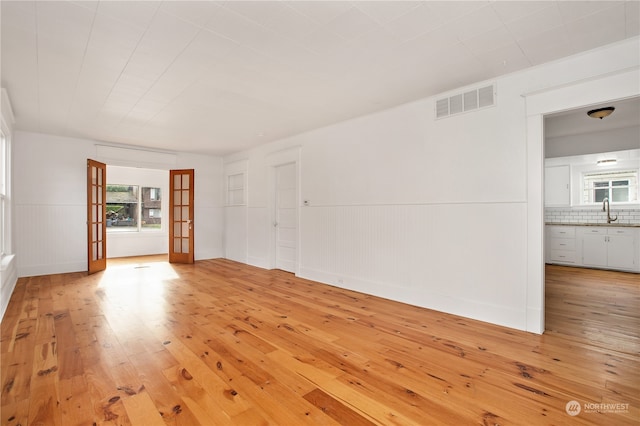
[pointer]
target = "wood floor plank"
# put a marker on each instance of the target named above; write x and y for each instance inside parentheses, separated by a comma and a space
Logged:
(105, 397)
(43, 405)
(15, 414)
(203, 406)
(335, 409)
(76, 407)
(210, 373)
(166, 400)
(222, 343)
(141, 410)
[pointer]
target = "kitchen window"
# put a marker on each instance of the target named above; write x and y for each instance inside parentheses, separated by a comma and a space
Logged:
(618, 187)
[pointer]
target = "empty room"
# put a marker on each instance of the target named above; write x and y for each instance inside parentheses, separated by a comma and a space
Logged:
(320, 212)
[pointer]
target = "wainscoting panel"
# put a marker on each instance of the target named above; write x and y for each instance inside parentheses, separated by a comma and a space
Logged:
(259, 237)
(64, 249)
(468, 259)
(209, 225)
(235, 236)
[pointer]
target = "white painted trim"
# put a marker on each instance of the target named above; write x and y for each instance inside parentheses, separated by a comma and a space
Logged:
(57, 268)
(7, 110)
(610, 87)
(535, 225)
(8, 281)
(260, 262)
(467, 308)
(130, 157)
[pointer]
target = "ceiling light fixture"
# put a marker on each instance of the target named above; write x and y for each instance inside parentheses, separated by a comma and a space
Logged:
(601, 112)
(608, 162)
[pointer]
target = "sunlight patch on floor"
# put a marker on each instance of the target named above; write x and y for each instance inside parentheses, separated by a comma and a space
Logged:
(138, 287)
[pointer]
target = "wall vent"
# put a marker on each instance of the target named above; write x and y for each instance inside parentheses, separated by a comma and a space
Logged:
(468, 101)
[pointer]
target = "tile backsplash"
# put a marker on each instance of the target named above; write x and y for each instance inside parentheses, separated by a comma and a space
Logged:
(595, 215)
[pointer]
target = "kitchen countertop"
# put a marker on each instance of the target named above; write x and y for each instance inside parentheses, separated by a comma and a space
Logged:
(614, 224)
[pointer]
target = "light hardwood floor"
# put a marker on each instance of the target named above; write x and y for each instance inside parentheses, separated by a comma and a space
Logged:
(220, 343)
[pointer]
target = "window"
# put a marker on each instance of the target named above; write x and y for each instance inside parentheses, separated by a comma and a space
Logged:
(154, 193)
(235, 189)
(151, 209)
(132, 209)
(4, 163)
(618, 187)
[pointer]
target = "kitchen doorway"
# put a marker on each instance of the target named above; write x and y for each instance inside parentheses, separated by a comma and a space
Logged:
(577, 147)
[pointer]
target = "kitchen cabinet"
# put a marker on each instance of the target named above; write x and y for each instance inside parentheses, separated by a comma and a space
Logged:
(607, 247)
(557, 186)
(610, 247)
(561, 244)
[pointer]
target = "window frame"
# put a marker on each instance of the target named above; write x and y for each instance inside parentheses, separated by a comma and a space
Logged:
(139, 206)
(236, 189)
(4, 176)
(591, 178)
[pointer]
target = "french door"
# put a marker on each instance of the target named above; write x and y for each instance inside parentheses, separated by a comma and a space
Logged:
(96, 216)
(181, 216)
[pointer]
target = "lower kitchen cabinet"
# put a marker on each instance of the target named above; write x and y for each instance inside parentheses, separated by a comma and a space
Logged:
(620, 252)
(594, 250)
(561, 244)
(608, 247)
(595, 246)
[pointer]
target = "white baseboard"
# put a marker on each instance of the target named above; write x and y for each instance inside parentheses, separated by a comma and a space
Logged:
(260, 262)
(505, 316)
(58, 268)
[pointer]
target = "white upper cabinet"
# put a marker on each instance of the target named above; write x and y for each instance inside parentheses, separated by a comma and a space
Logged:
(557, 186)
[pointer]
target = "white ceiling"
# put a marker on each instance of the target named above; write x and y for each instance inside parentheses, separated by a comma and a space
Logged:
(219, 77)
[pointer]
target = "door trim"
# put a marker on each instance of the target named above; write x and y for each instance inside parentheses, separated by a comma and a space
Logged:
(603, 88)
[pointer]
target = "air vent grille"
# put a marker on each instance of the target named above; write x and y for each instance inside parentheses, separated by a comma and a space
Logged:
(468, 101)
(455, 104)
(442, 107)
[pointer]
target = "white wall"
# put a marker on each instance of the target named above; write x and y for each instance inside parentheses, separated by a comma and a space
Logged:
(50, 202)
(445, 214)
(146, 242)
(592, 143)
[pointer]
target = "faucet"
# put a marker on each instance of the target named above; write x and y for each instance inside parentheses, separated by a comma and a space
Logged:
(605, 208)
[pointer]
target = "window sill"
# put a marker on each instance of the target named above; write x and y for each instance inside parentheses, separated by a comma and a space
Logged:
(136, 234)
(6, 261)
(612, 205)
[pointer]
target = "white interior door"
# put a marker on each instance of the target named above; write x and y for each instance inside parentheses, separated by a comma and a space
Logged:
(286, 217)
